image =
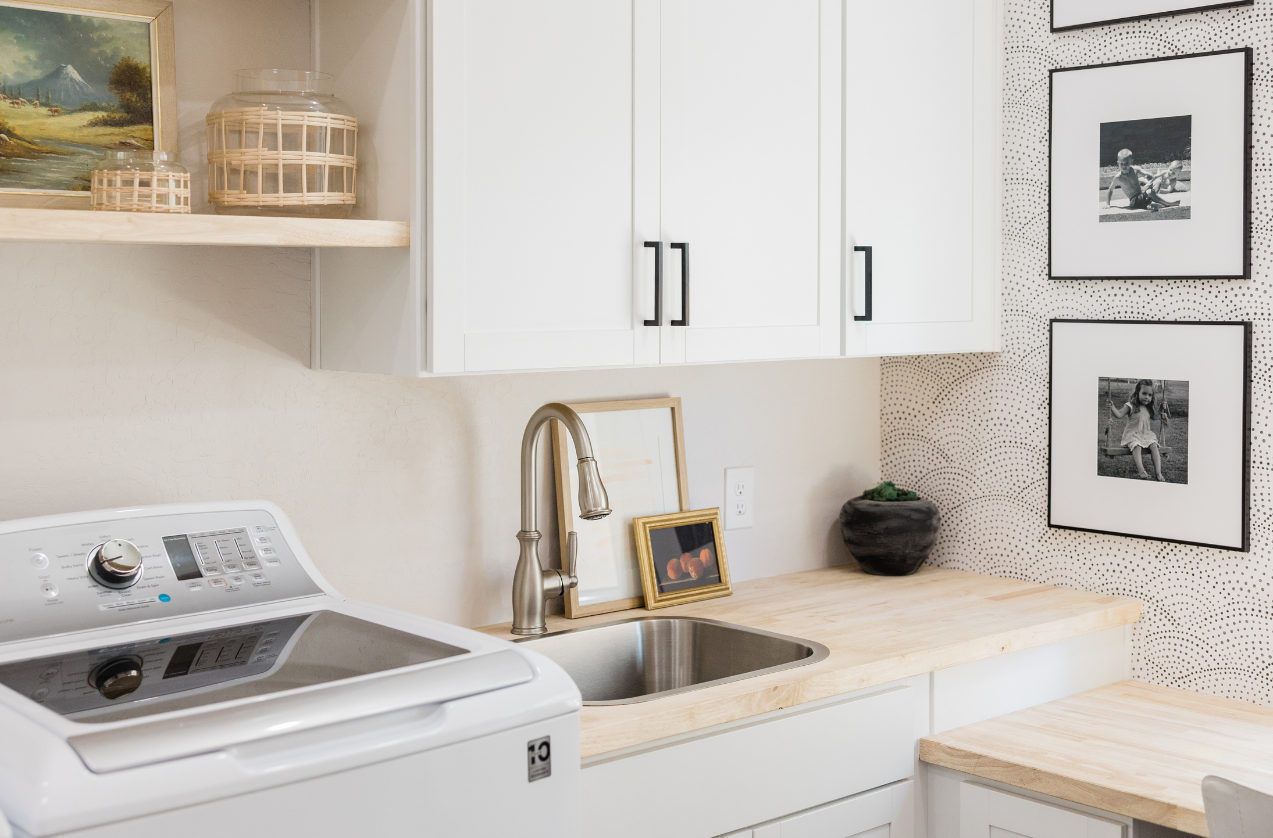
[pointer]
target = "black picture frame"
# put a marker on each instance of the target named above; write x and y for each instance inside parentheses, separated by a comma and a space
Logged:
(1246, 163)
(1248, 332)
(1192, 10)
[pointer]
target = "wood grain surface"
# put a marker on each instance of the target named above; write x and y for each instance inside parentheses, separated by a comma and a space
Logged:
(879, 629)
(58, 225)
(1130, 748)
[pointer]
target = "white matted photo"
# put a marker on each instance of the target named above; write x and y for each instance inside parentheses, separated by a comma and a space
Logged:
(639, 446)
(1079, 14)
(1149, 432)
(1166, 144)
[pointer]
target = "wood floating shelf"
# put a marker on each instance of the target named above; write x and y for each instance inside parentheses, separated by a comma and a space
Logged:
(72, 226)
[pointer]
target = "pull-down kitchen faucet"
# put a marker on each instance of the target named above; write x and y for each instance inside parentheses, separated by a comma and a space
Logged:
(532, 585)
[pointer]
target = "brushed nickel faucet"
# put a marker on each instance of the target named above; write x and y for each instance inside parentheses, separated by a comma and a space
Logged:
(532, 585)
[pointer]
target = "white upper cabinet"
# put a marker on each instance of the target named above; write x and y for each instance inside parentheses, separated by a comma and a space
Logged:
(750, 178)
(533, 186)
(922, 174)
(604, 183)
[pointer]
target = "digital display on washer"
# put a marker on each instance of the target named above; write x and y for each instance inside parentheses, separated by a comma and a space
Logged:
(182, 557)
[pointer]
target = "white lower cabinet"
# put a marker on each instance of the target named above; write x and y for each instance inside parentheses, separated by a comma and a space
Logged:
(846, 767)
(756, 773)
(986, 812)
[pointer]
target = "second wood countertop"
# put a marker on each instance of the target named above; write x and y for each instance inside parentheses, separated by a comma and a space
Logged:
(1130, 748)
(879, 629)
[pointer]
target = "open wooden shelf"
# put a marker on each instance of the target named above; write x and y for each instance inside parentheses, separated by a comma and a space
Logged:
(43, 225)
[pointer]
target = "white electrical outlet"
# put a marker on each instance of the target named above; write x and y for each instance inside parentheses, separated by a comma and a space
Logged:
(740, 485)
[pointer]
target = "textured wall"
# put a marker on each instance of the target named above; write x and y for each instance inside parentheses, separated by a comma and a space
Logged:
(970, 431)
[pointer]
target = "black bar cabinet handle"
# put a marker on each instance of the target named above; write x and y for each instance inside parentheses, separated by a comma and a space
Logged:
(684, 247)
(658, 283)
(867, 251)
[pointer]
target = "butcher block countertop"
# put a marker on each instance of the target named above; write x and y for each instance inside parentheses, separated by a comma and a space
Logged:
(879, 629)
(1129, 748)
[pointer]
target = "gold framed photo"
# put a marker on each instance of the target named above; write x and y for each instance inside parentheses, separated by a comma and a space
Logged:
(90, 76)
(682, 557)
(640, 447)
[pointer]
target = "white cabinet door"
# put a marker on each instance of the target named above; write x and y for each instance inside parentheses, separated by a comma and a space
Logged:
(888, 812)
(922, 175)
(538, 152)
(751, 132)
(988, 813)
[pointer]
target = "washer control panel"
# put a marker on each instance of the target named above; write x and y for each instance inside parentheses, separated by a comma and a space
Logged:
(73, 577)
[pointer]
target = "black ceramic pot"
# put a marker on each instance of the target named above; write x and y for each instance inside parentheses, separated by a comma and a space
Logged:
(889, 538)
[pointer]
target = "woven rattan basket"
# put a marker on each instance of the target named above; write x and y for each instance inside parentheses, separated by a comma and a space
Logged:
(140, 182)
(264, 159)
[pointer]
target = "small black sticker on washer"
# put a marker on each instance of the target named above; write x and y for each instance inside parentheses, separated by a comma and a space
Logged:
(539, 759)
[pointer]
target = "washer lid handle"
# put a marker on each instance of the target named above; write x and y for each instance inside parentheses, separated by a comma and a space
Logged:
(250, 720)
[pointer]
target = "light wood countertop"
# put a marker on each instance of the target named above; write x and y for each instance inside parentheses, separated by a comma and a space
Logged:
(1129, 748)
(879, 629)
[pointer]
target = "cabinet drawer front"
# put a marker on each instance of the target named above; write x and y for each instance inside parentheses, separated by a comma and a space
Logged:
(882, 813)
(988, 813)
(728, 781)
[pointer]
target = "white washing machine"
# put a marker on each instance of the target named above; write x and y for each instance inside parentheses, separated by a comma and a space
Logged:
(185, 671)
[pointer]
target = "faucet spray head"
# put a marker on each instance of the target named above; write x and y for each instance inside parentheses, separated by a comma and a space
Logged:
(594, 504)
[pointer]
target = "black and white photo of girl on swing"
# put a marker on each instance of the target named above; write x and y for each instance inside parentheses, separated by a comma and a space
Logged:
(1156, 422)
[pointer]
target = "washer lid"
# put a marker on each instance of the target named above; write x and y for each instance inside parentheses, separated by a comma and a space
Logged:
(248, 681)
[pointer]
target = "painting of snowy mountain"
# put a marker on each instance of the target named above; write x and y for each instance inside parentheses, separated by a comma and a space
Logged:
(71, 87)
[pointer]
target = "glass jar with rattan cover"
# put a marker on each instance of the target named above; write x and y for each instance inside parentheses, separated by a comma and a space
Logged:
(282, 145)
(140, 181)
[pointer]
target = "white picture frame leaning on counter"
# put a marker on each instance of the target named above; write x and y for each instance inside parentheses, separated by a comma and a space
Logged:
(639, 445)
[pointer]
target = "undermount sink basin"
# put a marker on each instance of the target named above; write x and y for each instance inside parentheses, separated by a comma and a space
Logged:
(651, 657)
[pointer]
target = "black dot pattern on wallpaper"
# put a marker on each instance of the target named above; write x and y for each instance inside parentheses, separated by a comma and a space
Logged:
(970, 431)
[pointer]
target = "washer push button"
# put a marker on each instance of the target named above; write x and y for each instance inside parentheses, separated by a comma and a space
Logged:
(216, 583)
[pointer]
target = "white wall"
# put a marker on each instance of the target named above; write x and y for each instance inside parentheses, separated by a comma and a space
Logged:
(150, 375)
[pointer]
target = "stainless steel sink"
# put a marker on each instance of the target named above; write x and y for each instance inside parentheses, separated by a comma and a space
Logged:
(651, 657)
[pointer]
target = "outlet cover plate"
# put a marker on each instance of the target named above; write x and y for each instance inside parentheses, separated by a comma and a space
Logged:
(740, 498)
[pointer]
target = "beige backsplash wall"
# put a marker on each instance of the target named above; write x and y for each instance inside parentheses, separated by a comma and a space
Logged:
(136, 375)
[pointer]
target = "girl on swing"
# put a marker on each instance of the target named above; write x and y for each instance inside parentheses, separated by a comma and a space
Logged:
(1138, 434)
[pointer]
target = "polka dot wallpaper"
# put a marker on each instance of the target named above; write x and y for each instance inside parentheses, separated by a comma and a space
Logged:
(970, 431)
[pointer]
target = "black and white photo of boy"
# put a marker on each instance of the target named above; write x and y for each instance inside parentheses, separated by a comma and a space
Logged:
(1146, 170)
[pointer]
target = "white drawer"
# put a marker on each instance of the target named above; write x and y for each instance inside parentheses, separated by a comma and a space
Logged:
(750, 774)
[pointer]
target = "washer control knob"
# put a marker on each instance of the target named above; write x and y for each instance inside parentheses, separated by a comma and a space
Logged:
(115, 564)
(117, 677)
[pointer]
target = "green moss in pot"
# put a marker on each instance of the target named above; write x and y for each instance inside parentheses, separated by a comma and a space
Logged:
(890, 531)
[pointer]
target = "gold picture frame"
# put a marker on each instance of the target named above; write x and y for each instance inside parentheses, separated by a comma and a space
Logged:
(695, 574)
(641, 442)
(157, 15)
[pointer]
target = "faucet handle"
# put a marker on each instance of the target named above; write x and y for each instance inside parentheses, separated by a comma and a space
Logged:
(572, 559)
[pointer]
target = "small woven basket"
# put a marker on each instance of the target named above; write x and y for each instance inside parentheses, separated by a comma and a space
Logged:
(266, 159)
(140, 182)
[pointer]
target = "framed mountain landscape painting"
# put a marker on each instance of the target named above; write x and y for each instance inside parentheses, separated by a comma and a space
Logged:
(76, 80)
